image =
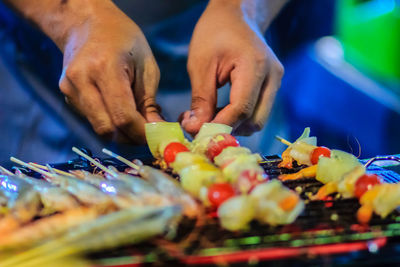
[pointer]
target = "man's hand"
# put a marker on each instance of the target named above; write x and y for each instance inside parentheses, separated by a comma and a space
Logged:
(228, 46)
(109, 74)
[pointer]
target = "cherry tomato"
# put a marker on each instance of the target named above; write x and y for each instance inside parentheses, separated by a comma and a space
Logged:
(365, 183)
(318, 152)
(172, 149)
(219, 143)
(248, 179)
(219, 193)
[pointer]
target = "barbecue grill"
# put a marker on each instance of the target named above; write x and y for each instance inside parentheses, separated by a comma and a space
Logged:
(326, 231)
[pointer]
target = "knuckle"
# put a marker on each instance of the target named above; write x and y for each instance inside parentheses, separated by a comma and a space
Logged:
(121, 119)
(103, 129)
(279, 69)
(191, 65)
(64, 88)
(244, 110)
(72, 73)
(154, 73)
(197, 101)
(261, 59)
(98, 63)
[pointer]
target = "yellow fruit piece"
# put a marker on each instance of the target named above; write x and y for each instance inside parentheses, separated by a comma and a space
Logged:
(158, 133)
(194, 177)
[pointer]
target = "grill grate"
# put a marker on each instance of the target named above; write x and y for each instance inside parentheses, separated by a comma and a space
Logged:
(323, 224)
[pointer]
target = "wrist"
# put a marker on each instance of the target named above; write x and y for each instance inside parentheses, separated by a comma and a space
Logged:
(259, 13)
(58, 19)
(245, 9)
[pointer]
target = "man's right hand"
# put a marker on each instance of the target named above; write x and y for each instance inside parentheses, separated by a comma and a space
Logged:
(109, 72)
(110, 75)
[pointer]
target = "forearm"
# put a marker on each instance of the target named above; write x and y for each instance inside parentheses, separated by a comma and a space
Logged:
(57, 18)
(261, 12)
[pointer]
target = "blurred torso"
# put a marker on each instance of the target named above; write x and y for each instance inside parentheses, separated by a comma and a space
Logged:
(149, 12)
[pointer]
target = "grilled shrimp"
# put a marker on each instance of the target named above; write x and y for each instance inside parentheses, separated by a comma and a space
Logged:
(118, 190)
(128, 226)
(53, 198)
(84, 192)
(169, 187)
(49, 227)
(23, 202)
(142, 189)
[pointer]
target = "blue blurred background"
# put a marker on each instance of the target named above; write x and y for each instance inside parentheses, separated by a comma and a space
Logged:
(342, 79)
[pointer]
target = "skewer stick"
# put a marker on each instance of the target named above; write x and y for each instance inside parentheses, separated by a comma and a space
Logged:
(97, 164)
(122, 159)
(51, 170)
(54, 169)
(284, 141)
(5, 171)
(42, 172)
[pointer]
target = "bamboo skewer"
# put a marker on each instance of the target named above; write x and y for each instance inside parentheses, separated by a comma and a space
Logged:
(57, 171)
(282, 140)
(5, 171)
(97, 164)
(51, 170)
(122, 159)
(36, 169)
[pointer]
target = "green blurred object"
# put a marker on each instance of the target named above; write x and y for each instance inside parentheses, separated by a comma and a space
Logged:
(370, 34)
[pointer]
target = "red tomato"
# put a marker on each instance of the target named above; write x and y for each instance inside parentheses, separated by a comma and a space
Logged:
(318, 152)
(365, 183)
(172, 149)
(248, 179)
(219, 143)
(219, 193)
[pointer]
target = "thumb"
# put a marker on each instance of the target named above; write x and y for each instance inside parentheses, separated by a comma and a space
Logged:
(204, 100)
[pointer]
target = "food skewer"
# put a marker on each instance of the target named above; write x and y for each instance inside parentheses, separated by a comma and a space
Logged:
(226, 177)
(122, 159)
(158, 180)
(305, 152)
(47, 168)
(303, 173)
(5, 171)
(51, 170)
(97, 164)
(86, 193)
(127, 226)
(282, 140)
(36, 169)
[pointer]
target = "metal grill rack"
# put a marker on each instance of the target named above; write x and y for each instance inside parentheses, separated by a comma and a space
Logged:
(324, 228)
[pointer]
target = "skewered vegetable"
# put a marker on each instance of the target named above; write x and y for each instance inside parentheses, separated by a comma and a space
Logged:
(160, 134)
(304, 150)
(227, 186)
(236, 213)
(275, 204)
(333, 168)
(172, 149)
(206, 133)
(218, 143)
(219, 193)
